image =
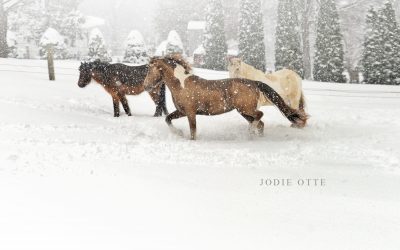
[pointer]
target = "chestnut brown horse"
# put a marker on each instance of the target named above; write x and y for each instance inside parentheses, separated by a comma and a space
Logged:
(193, 95)
(120, 80)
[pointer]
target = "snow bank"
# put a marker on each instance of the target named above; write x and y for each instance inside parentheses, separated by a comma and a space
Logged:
(74, 177)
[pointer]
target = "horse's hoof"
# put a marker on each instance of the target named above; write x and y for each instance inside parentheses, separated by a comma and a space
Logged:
(116, 115)
(176, 131)
(298, 125)
(129, 114)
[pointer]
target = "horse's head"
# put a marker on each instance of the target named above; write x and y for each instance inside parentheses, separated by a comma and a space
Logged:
(234, 66)
(85, 74)
(154, 74)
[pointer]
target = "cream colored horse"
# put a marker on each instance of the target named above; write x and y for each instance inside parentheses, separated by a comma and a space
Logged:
(286, 82)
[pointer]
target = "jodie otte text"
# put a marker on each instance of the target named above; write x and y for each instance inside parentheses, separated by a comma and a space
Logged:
(300, 182)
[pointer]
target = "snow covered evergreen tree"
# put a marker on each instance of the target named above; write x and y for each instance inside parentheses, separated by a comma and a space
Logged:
(214, 38)
(390, 40)
(28, 22)
(97, 47)
(372, 53)
(174, 43)
(381, 55)
(136, 51)
(329, 52)
(251, 34)
(288, 52)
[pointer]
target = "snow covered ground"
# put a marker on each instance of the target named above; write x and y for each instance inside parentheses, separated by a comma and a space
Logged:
(74, 177)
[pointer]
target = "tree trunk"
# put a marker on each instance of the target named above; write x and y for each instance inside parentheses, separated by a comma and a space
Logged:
(305, 23)
(3, 31)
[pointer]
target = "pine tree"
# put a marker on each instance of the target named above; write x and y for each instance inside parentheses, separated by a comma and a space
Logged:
(214, 38)
(136, 51)
(390, 35)
(372, 53)
(288, 53)
(251, 34)
(329, 53)
(97, 47)
(381, 55)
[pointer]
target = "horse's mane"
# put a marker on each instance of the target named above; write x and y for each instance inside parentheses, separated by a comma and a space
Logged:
(96, 65)
(175, 59)
(99, 65)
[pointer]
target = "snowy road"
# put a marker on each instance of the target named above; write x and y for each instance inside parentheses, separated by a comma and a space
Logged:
(74, 177)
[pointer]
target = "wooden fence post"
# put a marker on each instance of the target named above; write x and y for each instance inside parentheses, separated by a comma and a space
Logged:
(50, 62)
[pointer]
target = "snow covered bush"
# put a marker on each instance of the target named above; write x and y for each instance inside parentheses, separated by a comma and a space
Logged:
(251, 34)
(174, 43)
(136, 51)
(52, 38)
(97, 47)
(161, 49)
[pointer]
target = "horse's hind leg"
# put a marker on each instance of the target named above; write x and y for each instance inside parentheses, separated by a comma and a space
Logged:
(258, 124)
(250, 119)
(115, 105)
(125, 104)
(255, 121)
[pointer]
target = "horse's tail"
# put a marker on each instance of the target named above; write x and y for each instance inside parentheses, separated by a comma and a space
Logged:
(296, 117)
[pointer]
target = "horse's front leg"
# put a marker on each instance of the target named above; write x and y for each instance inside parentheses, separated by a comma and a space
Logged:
(125, 104)
(174, 115)
(158, 97)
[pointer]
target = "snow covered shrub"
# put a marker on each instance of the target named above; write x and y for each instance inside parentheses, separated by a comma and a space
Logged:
(51, 37)
(174, 43)
(97, 47)
(136, 51)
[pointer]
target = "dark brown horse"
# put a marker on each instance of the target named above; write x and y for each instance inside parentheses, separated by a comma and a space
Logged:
(193, 95)
(120, 80)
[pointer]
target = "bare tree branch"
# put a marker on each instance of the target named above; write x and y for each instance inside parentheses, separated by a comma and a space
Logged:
(351, 5)
(10, 4)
